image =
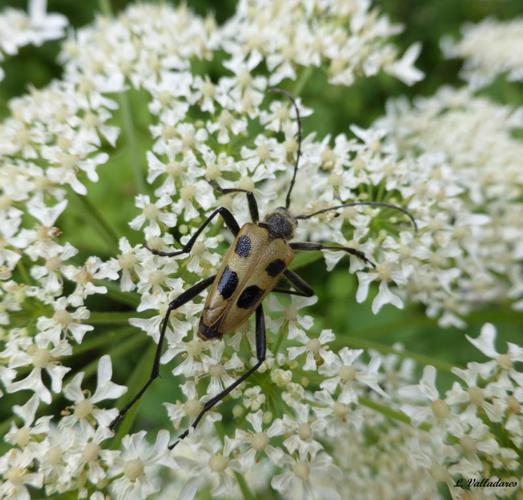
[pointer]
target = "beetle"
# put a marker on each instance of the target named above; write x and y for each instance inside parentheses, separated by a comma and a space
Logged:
(254, 263)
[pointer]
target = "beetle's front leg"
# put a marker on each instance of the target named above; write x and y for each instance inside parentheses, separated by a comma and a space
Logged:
(261, 348)
(175, 304)
(311, 245)
(251, 200)
(228, 218)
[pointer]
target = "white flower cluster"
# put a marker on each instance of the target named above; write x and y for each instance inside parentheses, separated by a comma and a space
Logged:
(18, 28)
(309, 396)
(467, 190)
(490, 48)
(348, 38)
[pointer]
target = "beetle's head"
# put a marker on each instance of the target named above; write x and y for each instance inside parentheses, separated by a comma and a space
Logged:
(281, 223)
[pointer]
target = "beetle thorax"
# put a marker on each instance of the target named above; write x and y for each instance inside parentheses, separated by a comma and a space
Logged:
(280, 223)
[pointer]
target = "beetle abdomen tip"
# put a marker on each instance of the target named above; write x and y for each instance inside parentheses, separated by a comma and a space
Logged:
(206, 332)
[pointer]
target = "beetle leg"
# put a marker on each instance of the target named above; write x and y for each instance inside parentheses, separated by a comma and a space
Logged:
(175, 304)
(311, 245)
(303, 289)
(227, 216)
(261, 347)
(253, 205)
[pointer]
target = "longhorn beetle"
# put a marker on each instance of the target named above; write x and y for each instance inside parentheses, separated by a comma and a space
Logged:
(252, 266)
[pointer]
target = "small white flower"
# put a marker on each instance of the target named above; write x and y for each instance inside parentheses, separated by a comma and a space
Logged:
(316, 349)
(212, 463)
(256, 443)
(40, 354)
(138, 463)
(218, 368)
(45, 26)
(307, 475)
(21, 436)
(87, 455)
(152, 214)
(64, 322)
(15, 468)
(486, 344)
(85, 407)
(404, 68)
(472, 397)
(289, 316)
(345, 372)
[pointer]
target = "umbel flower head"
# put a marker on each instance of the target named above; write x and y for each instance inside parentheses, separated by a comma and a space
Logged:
(319, 416)
(18, 28)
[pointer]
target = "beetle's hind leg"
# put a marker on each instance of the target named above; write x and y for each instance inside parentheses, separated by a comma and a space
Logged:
(303, 289)
(311, 245)
(175, 304)
(261, 347)
(228, 218)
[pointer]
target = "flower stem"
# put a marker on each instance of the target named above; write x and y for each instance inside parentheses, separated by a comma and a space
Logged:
(137, 379)
(120, 349)
(105, 7)
(244, 487)
(23, 271)
(113, 291)
(114, 318)
(302, 80)
(383, 348)
(128, 125)
(130, 134)
(96, 340)
(93, 213)
(390, 413)
(284, 330)
(4, 426)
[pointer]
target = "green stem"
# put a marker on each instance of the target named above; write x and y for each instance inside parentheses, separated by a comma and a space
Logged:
(284, 330)
(113, 291)
(130, 134)
(302, 80)
(368, 344)
(382, 329)
(105, 7)
(23, 271)
(381, 191)
(137, 380)
(92, 212)
(4, 426)
(244, 487)
(97, 340)
(390, 413)
(114, 318)
(120, 349)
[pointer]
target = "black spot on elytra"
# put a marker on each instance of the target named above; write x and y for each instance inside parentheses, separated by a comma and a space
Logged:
(228, 282)
(243, 246)
(249, 297)
(275, 267)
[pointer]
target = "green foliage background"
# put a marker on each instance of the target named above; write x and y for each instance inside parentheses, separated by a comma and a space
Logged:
(426, 21)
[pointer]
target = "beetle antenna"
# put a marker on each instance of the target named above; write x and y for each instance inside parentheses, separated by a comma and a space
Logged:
(366, 203)
(298, 153)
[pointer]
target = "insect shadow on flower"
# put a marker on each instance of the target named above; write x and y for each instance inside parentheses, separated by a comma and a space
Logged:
(253, 265)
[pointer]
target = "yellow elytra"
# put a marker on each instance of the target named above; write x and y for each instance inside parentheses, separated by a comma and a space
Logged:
(250, 270)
